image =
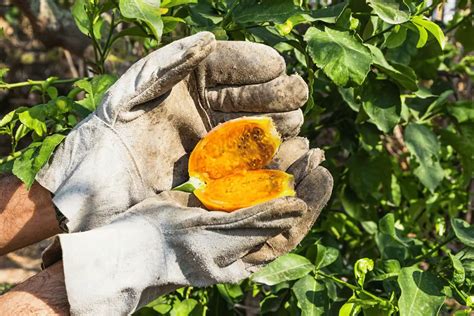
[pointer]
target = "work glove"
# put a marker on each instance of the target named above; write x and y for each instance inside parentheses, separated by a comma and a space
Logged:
(136, 143)
(170, 240)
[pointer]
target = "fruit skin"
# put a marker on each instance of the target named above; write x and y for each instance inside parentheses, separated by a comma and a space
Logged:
(244, 189)
(246, 143)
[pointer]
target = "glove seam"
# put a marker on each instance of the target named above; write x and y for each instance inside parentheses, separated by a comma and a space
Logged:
(217, 225)
(128, 150)
(198, 84)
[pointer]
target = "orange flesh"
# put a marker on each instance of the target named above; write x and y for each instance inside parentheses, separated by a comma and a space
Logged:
(226, 166)
(245, 189)
(241, 144)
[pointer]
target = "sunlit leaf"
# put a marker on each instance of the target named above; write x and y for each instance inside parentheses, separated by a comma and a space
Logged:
(284, 268)
(311, 295)
(421, 293)
(391, 11)
(145, 11)
(464, 232)
(424, 146)
(341, 56)
(431, 27)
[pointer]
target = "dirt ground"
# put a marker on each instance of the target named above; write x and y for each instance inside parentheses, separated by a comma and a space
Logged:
(22, 264)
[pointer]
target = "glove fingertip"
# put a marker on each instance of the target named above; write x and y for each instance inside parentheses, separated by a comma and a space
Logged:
(306, 163)
(316, 188)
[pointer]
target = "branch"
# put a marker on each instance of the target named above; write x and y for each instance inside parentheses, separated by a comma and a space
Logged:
(4, 85)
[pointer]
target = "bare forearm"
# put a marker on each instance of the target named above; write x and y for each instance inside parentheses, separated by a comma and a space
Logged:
(42, 294)
(26, 216)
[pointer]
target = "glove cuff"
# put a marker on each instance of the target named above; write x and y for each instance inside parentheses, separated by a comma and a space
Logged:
(79, 176)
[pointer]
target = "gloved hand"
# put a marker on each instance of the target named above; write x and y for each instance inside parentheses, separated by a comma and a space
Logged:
(135, 146)
(169, 241)
(136, 143)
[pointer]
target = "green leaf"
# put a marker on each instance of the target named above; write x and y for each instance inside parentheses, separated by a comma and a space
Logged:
(325, 256)
(331, 13)
(466, 256)
(285, 268)
(7, 118)
(391, 11)
(431, 27)
(46, 150)
(145, 11)
(341, 56)
(424, 146)
(349, 308)
(95, 90)
(184, 308)
(270, 304)
(232, 293)
(79, 14)
(422, 36)
(463, 231)
(438, 102)
(396, 37)
(459, 275)
(254, 11)
(170, 23)
(23, 165)
(462, 144)
(189, 186)
(404, 53)
(203, 14)
(389, 243)
(21, 132)
(404, 75)
(3, 72)
(381, 101)
(162, 308)
(35, 119)
(365, 177)
(311, 296)
(462, 110)
(174, 3)
(349, 97)
(34, 158)
(421, 292)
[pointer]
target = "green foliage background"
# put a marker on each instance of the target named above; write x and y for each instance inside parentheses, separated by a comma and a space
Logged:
(390, 103)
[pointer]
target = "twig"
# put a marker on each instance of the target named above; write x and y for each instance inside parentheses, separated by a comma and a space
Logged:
(35, 82)
(435, 249)
(382, 301)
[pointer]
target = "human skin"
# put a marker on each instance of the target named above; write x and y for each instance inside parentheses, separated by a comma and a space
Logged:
(42, 294)
(26, 216)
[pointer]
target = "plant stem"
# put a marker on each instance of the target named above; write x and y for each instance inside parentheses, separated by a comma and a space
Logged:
(10, 157)
(452, 27)
(35, 82)
(353, 287)
(227, 16)
(435, 249)
(380, 33)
